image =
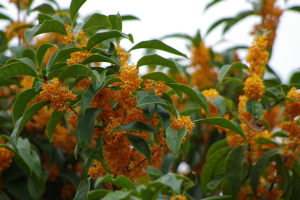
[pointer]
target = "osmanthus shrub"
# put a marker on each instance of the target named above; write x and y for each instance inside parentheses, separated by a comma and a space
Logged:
(122, 122)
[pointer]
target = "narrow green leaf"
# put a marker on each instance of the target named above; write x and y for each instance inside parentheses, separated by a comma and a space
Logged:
(77, 80)
(74, 8)
(227, 68)
(224, 123)
(41, 52)
(239, 17)
(214, 184)
(233, 80)
(233, 169)
(216, 146)
(44, 8)
(63, 52)
(294, 8)
(48, 26)
(42, 17)
(219, 103)
(185, 147)
(210, 165)
(83, 189)
(38, 86)
(96, 21)
(77, 148)
(19, 125)
(254, 108)
(16, 69)
(174, 139)
(121, 181)
(194, 94)
(99, 146)
(158, 60)
(156, 44)
(129, 17)
(101, 58)
(225, 197)
(286, 180)
(100, 37)
(217, 23)
(258, 168)
(54, 73)
(87, 98)
(188, 112)
(96, 194)
(76, 70)
(164, 116)
(3, 196)
(135, 126)
(21, 103)
(262, 140)
(140, 145)
(86, 125)
(29, 53)
(115, 22)
(86, 165)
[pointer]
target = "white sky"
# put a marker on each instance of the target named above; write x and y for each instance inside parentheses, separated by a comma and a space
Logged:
(163, 17)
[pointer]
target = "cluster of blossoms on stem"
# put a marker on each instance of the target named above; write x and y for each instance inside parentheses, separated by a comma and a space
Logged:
(57, 94)
(5, 156)
(11, 31)
(70, 38)
(21, 4)
(78, 57)
(181, 121)
(159, 86)
(178, 197)
(210, 94)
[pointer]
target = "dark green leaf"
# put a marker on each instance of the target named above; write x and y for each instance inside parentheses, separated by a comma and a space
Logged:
(211, 4)
(83, 189)
(294, 8)
(129, 17)
(140, 145)
(233, 169)
(44, 8)
(121, 181)
(262, 140)
(16, 69)
(254, 108)
(54, 73)
(234, 80)
(99, 146)
(3, 196)
(238, 18)
(41, 52)
(216, 146)
(71, 176)
(224, 123)
(174, 139)
(286, 180)
(48, 26)
(5, 17)
(101, 58)
(217, 23)
(77, 148)
(42, 17)
(86, 165)
(115, 22)
(76, 70)
(19, 125)
(219, 103)
(74, 8)
(213, 184)
(188, 112)
(96, 21)
(135, 126)
(96, 194)
(29, 53)
(185, 147)
(227, 68)
(165, 117)
(86, 125)
(38, 86)
(156, 44)
(87, 98)
(158, 60)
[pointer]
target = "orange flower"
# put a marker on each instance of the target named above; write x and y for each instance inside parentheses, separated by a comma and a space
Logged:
(23, 4)
(178, 197)
(254, 87)
(63, 140)
(78, 57)
(5, 156)
(211, 93)
(292, 108)
(181, 121)
(58, 95)
(68, 192)
(11, 32)
(72, 121)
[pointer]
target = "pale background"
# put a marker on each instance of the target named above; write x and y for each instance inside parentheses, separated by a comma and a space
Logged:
(163, 17)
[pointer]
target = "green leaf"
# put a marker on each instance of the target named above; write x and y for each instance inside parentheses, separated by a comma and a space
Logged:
(83, 189)
(254, 108)
(86, 125)
(227, 68)
(96, 21)
(164, 116)
(100, 37)
(121, 181)
(74, 8)
(214, 184)
(16, 69)
(63, 52)
(129, 17)
(115, 22)
(156, 44)
(71, 176)
(29, 53)
(217, 23)
(41, 52)
(233, 169)
(185, 147)
(76, 70)
(140, 145)
(194, 94)
(188, 112)
(294, 8)
(210, 165)
(235, 20)
(258, 168)
(21, 103)
(224, 197)
(77, 148)
(3, 196)
(98, 82)
(86, 165)
(224, 123)
(286, 98)
(233, 80)
(5, 17)
(280, 134)
(99, 146)
(211, 4)
(77, 80)
(174, 139)
(54, 73)
(156, 100)
(44, 8)
(262, 140)
(101, 58)
(135, 126)
(216, 146)
(158, 60)
(42, 17)
(286, 180)
(48, 26)
(96, 194)
(38, 86)
(19, 125)
(87, 98)
(219, 103)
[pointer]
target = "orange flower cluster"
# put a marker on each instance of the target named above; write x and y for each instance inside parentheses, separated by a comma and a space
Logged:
(178, 197)
(254, 87)
(292, 108)
(203, 75)
(26, 83)
(258, 56)
(211, 93)
(181, 121)
(21, 4)
(40, 120)
(53, 172)
(9, 91)
(68, 192)
(270, 18)
(72, 121)
(58, 95)
(5, 156)
(11, 31)
(63, 140)
(69, 39)
(85, 83)
(159, 86)
(78, 57)
(122, 56)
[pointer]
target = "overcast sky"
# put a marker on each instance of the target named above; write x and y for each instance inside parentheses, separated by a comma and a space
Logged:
(163, 17)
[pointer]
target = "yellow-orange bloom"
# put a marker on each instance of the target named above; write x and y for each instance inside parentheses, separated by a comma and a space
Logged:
(181, 121)
(5, 156)
(254, 87)
(10, 30)
(58, 95)
(178, 197)
(211, 93)
(68, 192)
(292, 108)
(78, 57)
(63, 140)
